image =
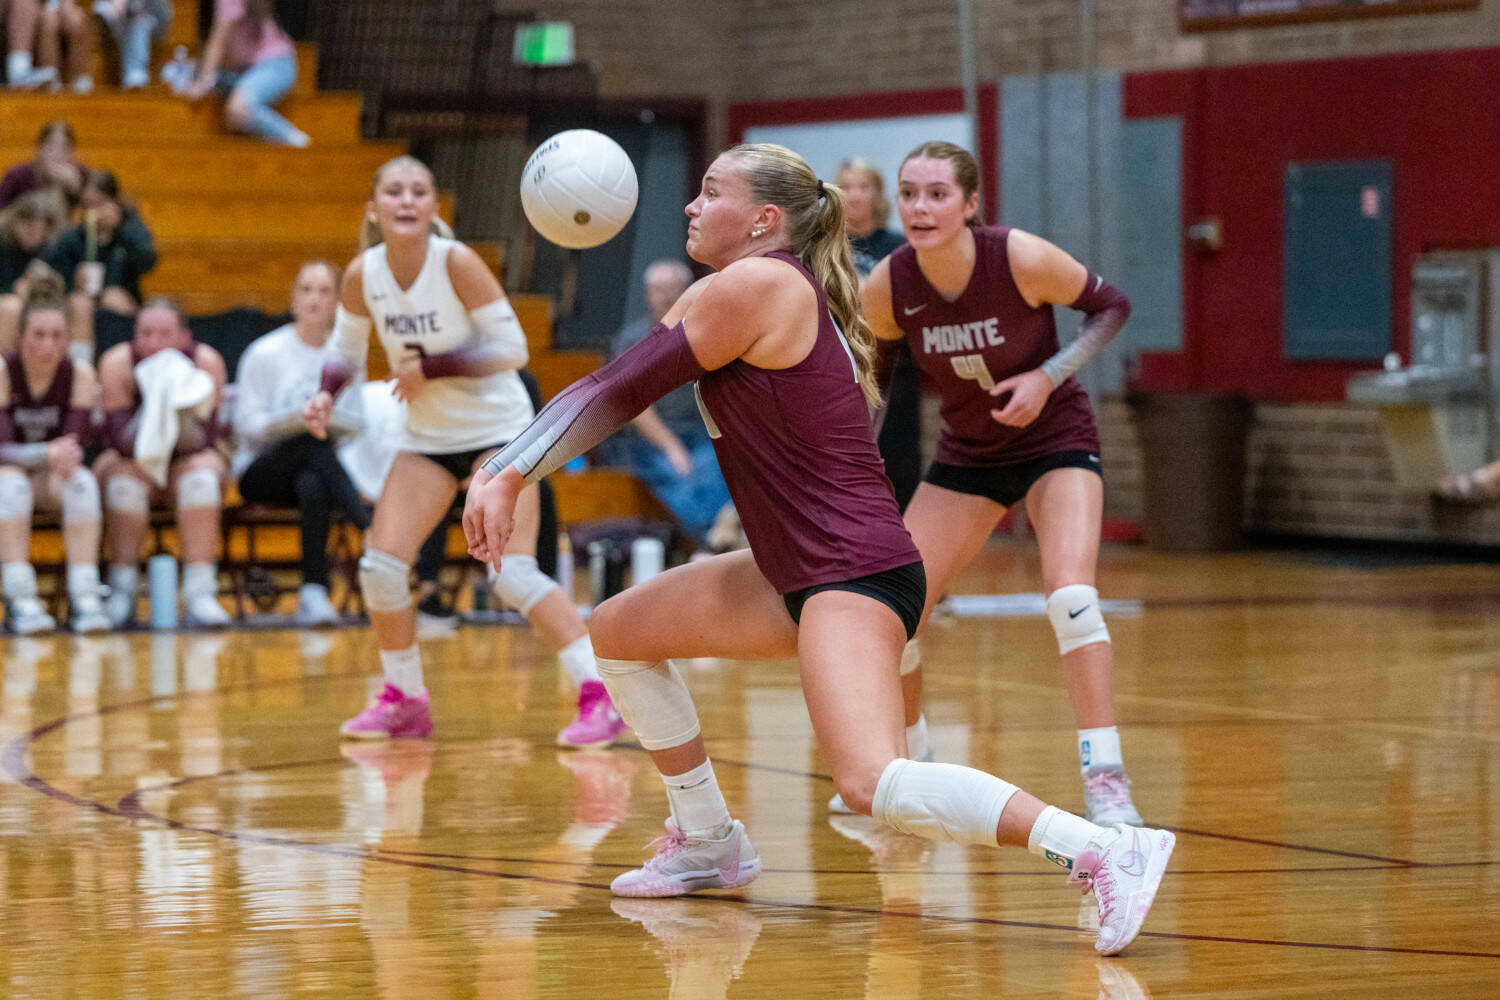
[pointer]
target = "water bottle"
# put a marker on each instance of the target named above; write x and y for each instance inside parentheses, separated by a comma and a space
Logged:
(162, 574)
(647, 557)
(178, 73)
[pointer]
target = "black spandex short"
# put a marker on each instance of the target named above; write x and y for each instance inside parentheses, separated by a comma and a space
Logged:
(1005, 484)
(459, 464)
(903, 590)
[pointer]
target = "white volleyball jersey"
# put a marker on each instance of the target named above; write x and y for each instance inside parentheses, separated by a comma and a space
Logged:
(452, 414)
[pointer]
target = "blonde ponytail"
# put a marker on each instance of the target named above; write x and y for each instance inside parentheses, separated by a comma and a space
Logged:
(814, 211)
(831, 260)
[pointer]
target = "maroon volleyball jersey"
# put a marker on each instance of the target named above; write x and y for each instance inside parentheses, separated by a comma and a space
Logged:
(984, 336)
(801, 465)
(40, 418)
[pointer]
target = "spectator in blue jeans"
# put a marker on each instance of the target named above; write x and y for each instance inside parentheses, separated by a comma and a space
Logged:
(667, 447)
(134, 24)
(249, 55)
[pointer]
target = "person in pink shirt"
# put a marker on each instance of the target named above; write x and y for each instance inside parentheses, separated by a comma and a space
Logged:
(254, 61)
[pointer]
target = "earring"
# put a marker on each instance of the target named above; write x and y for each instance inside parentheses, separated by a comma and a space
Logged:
(756, 234)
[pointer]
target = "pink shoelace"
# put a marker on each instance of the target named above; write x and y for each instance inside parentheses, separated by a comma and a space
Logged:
(1108, 788)
(667, 846)
(392, 695)
(1091, 875)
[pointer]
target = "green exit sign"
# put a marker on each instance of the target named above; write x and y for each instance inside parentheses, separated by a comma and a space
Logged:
(544, 43)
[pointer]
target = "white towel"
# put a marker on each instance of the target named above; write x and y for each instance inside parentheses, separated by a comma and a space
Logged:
(170, 384)
(368, 455)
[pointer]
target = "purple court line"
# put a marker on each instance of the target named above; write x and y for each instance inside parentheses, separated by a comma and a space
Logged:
(128, 807)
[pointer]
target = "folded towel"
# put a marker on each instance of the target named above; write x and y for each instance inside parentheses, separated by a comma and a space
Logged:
(170, 385)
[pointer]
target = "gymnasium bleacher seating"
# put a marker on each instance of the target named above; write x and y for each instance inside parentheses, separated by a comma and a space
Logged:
(234, 219)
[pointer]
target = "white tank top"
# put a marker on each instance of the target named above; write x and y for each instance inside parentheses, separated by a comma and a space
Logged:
(453, 414)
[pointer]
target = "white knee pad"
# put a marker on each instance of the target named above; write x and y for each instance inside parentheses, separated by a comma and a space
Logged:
(520, 584)
(1076, 618)
(198, 488)
(911, 658)
(80, 498)
(384, 581)
(15, 497)
(957, 805)
(127, 495)
(652, 699)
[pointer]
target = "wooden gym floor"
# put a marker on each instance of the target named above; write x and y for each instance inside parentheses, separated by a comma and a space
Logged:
(178, 819)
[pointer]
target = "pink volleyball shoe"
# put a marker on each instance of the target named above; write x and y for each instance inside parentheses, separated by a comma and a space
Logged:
(598, 724)
(1122, 868)
(394, 715)
(682, 865)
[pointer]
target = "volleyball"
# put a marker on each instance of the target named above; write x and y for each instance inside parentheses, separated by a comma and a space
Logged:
(579, 188)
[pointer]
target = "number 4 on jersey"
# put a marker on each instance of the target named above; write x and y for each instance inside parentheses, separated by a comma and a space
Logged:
(971, 366)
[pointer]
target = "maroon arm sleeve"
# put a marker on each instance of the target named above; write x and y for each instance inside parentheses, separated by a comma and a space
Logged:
(474, 361)
(336, 374)
(1107, 309)
(592, 408)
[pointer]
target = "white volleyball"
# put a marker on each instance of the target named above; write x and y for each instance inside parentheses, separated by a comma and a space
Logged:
(579, 188)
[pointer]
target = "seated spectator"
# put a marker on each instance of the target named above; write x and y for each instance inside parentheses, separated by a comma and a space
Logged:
(668, 447)
(102, 258)
(277, 461)
(135, 24)
(27, 231)
(64, 23)
(248, 56)
(21, 20)
(46, 400)
(159, 393)
(56, 167)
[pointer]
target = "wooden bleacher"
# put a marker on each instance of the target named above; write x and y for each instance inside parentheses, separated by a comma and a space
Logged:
(234, 218)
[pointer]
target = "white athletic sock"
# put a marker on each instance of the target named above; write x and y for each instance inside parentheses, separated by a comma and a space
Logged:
(1099, 748)
(917, 743)
(577, 658)
(1060, 836)
(200, 578)
(18, 580)
(83, 579)
(124, 579)
(17, 66)
(403, 669)
(697, 804)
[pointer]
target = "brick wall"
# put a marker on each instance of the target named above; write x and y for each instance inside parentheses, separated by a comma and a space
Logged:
(792, 48)
(1311, 469)
(769, 49)
(650, 48)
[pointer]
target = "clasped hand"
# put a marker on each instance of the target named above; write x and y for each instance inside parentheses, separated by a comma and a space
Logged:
(489, 513)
